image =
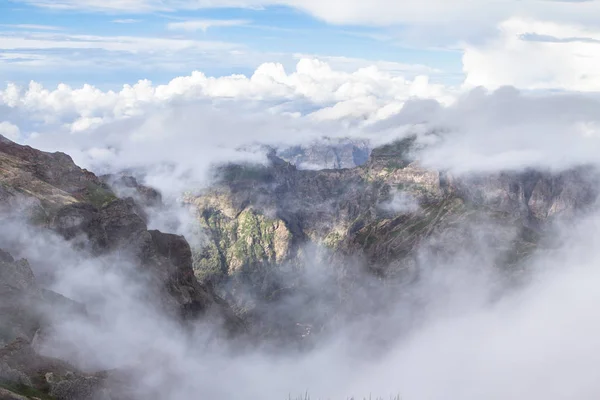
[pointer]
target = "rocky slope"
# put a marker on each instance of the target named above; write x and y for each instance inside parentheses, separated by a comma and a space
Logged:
(390, 214)
(328, 153)
(54, 195)
(289, 251)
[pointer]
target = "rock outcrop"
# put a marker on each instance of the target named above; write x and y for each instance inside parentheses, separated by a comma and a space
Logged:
(259, 220)
(328, 153)
(52, 194)
(83, 209)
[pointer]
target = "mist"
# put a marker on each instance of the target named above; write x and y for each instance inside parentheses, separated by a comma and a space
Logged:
(463, 329)
(461, 332)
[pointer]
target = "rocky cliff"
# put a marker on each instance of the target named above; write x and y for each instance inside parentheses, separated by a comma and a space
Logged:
(53, 195)
(288, 251)
(387, 213)
(328, 153)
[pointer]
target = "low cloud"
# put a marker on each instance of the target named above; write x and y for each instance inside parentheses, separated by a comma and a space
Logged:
(536, 54)
(10, 131)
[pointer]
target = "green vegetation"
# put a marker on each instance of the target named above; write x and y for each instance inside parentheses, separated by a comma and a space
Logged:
(40, 217)
(399, 150)
(250, 239)
(395, 165)
(235, 173)
(27, 391)
(98, 196)
(333, 240)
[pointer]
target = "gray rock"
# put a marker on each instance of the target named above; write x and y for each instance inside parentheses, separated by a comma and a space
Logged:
(8, 395)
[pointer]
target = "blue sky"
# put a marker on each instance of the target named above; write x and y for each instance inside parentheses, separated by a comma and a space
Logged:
(33, 42)
(489, 43)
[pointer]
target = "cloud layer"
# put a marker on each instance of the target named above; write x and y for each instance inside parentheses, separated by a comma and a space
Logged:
(197, 120)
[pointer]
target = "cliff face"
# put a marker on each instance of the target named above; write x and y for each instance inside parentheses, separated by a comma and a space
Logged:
(328, 154)
(265, 226)
(82, 208)
(56, 196)
(260, 218)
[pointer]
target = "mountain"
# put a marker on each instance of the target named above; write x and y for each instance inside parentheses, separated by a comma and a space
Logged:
(55, 196)
(328, 153)
(263, 221)
(290, 253)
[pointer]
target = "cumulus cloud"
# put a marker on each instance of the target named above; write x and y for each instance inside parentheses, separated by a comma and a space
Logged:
(534, 54)
(313, 82)
(10, 131)
(145, 124)
(508, 129)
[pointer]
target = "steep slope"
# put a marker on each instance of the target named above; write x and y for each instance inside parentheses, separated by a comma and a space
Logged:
(387, 213)
(51, 195)
(73, 202)
(328, 153)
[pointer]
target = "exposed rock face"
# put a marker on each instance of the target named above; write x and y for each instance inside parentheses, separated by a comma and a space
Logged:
(83, 209)
(260, 217)
(128, 186)
(25, 373)
(328, 154)
(532, 195)
(19, 297)
(345, 211)
(55, 194)
(25, 309)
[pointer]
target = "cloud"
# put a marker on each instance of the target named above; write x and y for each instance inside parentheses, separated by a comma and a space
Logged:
(482, 130)
(335, 94)
(205, 24)
(508, 129)
(33, 27)
(469, 334)
(49, 52)
(533, 54)
(126, 21)
(478, 14)
(130, 44)
(10, 131)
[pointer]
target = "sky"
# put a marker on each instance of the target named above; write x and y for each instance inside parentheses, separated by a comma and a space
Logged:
(111, 42)
(73, 70)
(174, 86)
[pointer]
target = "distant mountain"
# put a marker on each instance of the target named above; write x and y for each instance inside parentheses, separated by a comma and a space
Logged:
(328, 153)
(386, 212)
(290, 252)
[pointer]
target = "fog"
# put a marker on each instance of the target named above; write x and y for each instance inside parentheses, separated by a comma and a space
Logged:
(470, 337)
(464, 330)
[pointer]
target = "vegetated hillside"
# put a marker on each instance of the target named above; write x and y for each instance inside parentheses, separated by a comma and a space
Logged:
(58, 198)
(291, 254)
(389, 217)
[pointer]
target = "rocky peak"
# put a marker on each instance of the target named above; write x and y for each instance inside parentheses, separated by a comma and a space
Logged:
(328, 153)
(84, 210)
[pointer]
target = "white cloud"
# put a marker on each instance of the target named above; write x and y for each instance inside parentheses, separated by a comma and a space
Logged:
(508, 129)
(126, 21)
(63, 52)
(536, 55)
(10, 131)
(490, 131)
(110, 43)
(378, 12)
(205, 24)
(336, 94)
(33, 27)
